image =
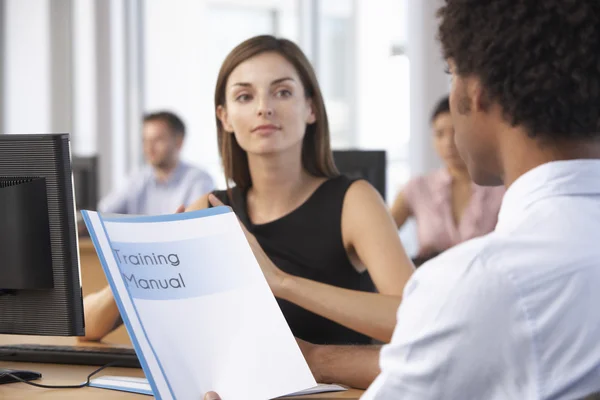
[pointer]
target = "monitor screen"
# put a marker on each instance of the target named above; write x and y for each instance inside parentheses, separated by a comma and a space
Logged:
(40, 287)
(85, 179)
(369, 165)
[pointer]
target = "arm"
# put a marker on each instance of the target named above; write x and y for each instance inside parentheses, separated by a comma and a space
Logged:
(116, 201)
(101, 315)
(199, 189)
(401, 210)
(354, 366)
(370, 233)
(199, 204)
(460, 343)
(372, 314)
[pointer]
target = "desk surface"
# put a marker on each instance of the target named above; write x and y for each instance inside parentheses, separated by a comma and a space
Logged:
(56, 374)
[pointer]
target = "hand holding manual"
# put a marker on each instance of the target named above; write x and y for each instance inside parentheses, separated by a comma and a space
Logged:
(197, 307)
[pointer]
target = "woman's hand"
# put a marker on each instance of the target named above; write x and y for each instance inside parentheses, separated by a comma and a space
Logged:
(275, 277)
(211, 396)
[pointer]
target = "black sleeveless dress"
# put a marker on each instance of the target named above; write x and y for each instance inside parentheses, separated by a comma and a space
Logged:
(308, 243)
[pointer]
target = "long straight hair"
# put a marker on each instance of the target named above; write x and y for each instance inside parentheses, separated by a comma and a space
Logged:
(317, 158)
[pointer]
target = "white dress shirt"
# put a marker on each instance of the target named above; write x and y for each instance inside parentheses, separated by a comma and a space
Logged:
(144, 194)
(514, 314)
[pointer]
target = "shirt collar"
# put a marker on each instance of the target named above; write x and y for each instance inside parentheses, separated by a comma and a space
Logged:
(556, 178)
(173, 178)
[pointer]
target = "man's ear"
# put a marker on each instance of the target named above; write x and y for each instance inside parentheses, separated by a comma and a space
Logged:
(179, 141)
(479, 100)
(224, 118)
(311, 118)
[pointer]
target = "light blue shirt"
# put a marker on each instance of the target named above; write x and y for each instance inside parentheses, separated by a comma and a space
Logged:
(144, 194)
(511, 315)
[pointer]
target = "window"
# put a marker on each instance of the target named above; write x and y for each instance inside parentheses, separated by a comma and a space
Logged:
(335, 67)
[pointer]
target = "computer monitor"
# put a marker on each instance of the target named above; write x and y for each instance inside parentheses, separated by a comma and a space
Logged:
(367, 164)
(40, 287)
(85, 179)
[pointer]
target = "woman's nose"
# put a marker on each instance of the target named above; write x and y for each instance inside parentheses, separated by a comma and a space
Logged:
(449, 140)
(265, 109)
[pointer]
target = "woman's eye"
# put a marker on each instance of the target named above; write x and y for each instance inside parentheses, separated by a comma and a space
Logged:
(243, 97)
(284, 93)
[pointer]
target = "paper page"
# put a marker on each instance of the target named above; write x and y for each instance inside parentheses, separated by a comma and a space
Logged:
(320, 388)
(123, 383)
(141, 385)
(199, 307)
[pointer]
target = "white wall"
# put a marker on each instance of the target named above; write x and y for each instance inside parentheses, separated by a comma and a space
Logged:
(27, 84)
(106, 86)
(36, 93)
(176, 77)
(383, 90)
(428, 81)
(65, 69)
(85, 124)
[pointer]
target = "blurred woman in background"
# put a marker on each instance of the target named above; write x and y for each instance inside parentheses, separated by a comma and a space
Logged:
(447, 206)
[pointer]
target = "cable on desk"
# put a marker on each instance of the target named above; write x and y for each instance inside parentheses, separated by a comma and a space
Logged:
(79, 386)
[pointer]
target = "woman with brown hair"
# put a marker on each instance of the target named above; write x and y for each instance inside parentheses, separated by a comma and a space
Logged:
(313, 230)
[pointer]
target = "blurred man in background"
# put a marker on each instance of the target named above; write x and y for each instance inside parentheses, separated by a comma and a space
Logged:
(165, 182)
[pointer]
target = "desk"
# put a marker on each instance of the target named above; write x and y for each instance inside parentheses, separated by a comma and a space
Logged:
(93, 279)
(55, 374)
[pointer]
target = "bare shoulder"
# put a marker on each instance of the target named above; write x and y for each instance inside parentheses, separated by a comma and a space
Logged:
(363, 207)
(199, 204)
(362, 194)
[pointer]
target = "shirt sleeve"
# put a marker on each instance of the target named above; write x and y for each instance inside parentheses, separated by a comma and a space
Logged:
(116, 201)
(452, 339)
(201, 186)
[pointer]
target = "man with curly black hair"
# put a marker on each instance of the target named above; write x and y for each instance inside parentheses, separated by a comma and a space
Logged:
(514, 314)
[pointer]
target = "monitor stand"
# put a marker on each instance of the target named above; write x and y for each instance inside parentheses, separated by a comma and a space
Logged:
(23, 374)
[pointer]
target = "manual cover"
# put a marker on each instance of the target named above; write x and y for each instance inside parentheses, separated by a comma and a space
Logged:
(197, 307)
